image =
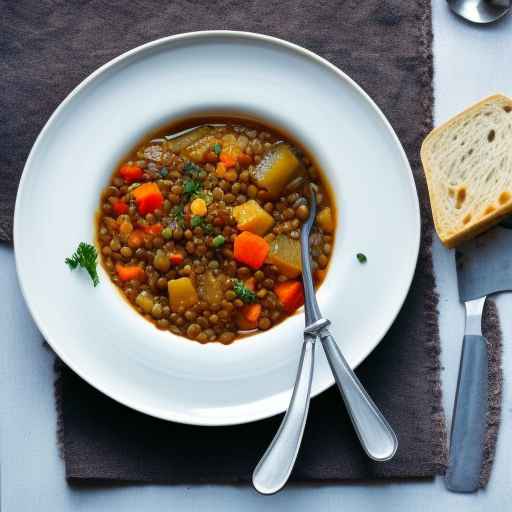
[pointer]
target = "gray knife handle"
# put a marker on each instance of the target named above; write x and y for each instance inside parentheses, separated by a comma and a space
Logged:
(376, 436)
(274, 468)
(469, 417)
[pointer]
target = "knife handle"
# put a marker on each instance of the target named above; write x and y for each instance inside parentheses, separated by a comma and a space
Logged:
(377, 438)
(469, 417)
(274, 468)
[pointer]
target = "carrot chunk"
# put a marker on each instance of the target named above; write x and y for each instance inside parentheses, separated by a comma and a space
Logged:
(176, 258)
(135, 239)
(251, 312)
(244, 324)
(227, 159)
(153, 229)
(148, 198)
(131, 173)
(120, 207)
(251, 249)
(129, 272)
(290, 294)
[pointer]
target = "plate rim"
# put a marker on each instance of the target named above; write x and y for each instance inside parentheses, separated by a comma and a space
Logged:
(171, 415)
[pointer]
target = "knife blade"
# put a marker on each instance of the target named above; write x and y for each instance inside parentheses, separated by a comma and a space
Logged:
(484, 267)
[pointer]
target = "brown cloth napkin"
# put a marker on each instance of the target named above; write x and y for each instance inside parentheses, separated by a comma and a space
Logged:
(47, 47)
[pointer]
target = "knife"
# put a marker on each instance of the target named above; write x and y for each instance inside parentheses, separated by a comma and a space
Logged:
(376, 436)
(484, 267)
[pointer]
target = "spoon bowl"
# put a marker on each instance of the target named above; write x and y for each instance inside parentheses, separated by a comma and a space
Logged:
(480, 11)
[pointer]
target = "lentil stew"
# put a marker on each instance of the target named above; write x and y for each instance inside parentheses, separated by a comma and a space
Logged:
(199, 228)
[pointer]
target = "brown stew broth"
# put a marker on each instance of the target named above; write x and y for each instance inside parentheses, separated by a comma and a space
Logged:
(199, 227)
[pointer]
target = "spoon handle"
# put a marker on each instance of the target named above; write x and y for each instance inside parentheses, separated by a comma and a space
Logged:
(377, 437)
(274, 468)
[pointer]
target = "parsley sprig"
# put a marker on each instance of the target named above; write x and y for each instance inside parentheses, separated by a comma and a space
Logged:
(190, 189)
(85, 257)
(361, 257)
(178, 212)
(248, 296)
(193, 169)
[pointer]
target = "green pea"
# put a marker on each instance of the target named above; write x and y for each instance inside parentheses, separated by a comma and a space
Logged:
(167, 233)
(196, 221)
(218, 241)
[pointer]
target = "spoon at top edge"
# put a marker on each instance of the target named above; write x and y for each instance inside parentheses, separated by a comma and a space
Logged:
(480, 11)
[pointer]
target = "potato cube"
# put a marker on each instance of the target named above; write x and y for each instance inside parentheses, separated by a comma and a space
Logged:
(277, 169)
(285, 255)
(182, 293)
(325, 220)
(252, 217)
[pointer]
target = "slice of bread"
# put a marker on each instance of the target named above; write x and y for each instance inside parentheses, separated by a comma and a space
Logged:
(468, 165)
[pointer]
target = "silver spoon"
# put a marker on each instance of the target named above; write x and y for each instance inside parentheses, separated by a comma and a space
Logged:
(376, 436)
(480, 11)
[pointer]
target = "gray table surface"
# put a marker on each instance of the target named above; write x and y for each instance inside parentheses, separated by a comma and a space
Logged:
(470, 63)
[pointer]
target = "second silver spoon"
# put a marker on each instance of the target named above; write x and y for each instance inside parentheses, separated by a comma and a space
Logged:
(375, 434)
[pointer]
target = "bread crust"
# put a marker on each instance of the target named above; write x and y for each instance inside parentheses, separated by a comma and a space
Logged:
(475, 228)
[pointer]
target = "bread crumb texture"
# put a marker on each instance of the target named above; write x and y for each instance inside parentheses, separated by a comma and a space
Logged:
(468, 165)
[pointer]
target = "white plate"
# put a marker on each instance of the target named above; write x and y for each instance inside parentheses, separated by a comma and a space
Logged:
(99, 336)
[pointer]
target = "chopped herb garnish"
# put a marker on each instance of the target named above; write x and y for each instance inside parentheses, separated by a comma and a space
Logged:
(196, 220)
(164, 172)
(217, 148)
(206, 196)
(193, 169)
(218, 241)
(85, 257)
(361, 257)
(179, 214)
(243, 292)
(190, 189)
